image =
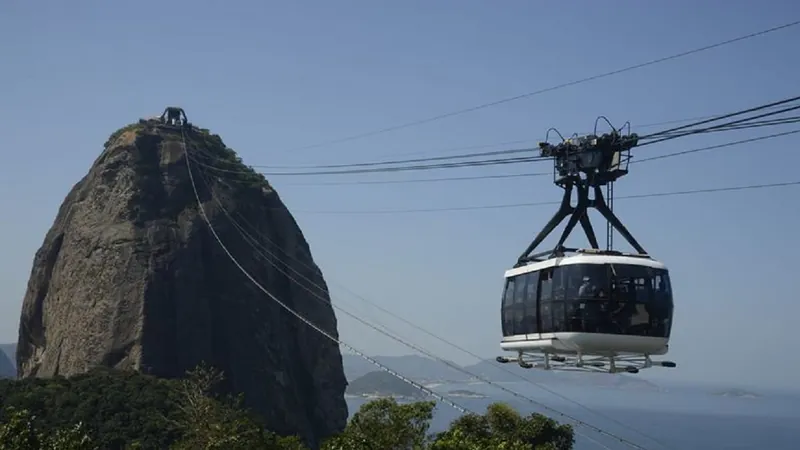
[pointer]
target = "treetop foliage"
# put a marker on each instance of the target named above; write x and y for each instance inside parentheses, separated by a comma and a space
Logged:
(107, 409)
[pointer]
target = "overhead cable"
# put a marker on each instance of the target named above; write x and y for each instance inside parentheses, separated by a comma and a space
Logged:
(514, 142)
(270, 257)
(529, 204)
(417, 180)
(741, 122)
(461, 156)
(510, 151)
(725, 116)
(750, 125)
(549, 89)
(291, 310)
(414, 167)
(516, 160)
(534, 174)
(714, 147)
(261, 249)
(431, 163)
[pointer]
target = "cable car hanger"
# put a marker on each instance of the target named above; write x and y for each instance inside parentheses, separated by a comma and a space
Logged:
(584, 163)
(587, 309)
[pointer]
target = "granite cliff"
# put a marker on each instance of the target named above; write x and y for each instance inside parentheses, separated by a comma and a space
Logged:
(130, 277)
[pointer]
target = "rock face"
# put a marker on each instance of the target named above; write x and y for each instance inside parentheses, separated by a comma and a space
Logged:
(130, 277)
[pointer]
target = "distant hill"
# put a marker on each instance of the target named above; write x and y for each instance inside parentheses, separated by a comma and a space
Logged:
(8, 365)
(465, 393)
(11, 351)
(740, 393)
(418, 368)
(382, 384)
(7, 369)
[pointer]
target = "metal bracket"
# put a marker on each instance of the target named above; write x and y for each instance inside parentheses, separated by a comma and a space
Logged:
(580, 164)
(578, 214)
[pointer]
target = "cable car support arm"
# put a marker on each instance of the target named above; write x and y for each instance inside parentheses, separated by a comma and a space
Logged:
(580, 165)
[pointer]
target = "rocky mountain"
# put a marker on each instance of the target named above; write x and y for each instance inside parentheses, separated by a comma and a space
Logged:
(130, 276)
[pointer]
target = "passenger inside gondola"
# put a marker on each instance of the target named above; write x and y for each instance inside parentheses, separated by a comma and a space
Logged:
(587, 288)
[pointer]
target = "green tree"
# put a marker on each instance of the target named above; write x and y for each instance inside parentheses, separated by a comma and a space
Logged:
(208, 422)
(386, 425)
(118, 410)
(20, 432)
(503, 428)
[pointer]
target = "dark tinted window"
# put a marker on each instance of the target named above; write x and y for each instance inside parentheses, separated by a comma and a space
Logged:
(590, 298)
(531, 322)
(559, 284)
(519, 310)
(520, 292)
(550, 289)
(661, 307)
(571, 276)
(632, 283)
(641, 301)
(506, 311)
(612, 299)
(559, 317)
(546, 317)
(546, 285)
(520, 286)
(662, 291)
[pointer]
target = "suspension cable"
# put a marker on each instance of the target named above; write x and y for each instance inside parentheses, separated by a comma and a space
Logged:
(261, 249)
(388, 334)
(549, 89)
(299, 316)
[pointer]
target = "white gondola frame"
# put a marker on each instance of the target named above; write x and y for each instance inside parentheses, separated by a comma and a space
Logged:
(586, 351)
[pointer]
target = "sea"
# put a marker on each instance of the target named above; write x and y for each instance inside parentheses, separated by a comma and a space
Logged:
(679, 418)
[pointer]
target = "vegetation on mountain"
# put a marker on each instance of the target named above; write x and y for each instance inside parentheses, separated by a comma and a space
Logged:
(108, 409)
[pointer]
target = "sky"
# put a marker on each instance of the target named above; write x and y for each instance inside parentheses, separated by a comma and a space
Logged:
(273, 78)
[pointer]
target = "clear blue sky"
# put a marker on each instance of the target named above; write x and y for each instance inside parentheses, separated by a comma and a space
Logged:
(272, 76)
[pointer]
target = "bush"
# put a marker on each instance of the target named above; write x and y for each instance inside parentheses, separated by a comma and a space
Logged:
(107, 409)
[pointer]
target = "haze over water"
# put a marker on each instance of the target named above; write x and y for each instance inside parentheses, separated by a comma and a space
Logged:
(679, 417)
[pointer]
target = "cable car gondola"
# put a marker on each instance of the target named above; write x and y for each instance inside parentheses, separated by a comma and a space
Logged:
(587, 309)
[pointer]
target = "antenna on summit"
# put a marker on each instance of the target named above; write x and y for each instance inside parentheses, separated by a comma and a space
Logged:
(174, 116)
